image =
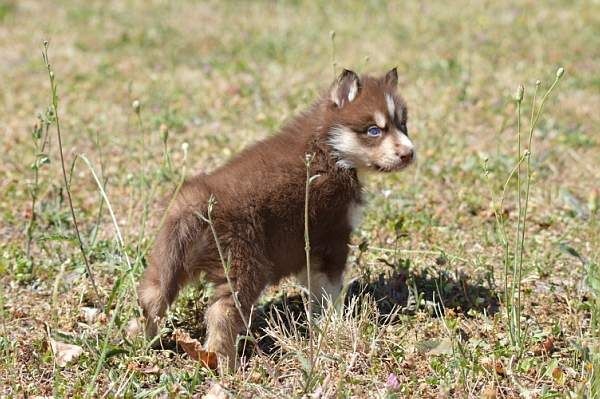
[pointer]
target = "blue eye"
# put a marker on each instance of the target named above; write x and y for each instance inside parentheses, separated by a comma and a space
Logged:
(374, 131)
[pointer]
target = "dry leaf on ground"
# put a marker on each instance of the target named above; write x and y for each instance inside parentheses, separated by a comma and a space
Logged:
(545, 347)
(194, 349)
(558, 376)
(65, 353)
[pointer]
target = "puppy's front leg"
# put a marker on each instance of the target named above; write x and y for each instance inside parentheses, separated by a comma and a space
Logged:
(325, 288)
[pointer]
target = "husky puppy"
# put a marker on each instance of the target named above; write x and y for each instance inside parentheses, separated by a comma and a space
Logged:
(258, 215)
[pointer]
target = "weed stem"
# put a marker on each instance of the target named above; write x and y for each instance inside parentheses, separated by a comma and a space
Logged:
(64, 171)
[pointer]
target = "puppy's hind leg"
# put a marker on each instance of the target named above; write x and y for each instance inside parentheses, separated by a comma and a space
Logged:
(225, 318)
(152, 296)
(223, 324)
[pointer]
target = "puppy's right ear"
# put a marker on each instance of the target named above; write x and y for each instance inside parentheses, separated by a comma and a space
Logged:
(345, 88)
(391, 78)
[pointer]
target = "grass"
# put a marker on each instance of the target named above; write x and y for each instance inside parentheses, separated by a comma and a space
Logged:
(149, 93)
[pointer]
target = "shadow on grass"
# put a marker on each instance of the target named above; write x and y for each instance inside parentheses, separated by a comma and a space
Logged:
(398, 289)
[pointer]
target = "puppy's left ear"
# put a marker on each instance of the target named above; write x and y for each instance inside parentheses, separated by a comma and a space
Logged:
(345, 88)
(391, 78)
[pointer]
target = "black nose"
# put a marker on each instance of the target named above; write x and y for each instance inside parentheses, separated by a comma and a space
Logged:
(407, 156)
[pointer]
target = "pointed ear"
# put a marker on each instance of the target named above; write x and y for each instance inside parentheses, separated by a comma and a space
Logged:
(345, 88)
(391, 78)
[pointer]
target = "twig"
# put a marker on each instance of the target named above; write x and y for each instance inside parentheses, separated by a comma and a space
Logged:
(40, 132)
(515, 326)
(110, 210)
(308, 161)
(532, 126)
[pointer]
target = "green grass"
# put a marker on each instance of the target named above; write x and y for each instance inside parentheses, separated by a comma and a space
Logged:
(426, 310)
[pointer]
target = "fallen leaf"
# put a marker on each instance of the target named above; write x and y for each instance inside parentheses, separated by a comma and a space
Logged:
(216, 392)
(493, 365)
(558, 376)
(548, 345)
(194, 349)
(499, 367)
(64, 353)
(545, 347)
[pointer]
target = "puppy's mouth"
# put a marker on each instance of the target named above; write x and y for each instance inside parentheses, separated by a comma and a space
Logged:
(393, 167)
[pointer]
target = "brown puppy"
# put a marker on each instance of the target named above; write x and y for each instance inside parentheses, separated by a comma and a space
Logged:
(259, 212)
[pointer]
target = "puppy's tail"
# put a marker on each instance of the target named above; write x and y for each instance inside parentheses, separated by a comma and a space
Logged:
(166, 273)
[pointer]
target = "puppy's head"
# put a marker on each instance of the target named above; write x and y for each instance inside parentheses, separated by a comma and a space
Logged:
(367, 123)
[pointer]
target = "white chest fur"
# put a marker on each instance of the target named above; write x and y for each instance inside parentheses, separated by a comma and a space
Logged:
(355, 214)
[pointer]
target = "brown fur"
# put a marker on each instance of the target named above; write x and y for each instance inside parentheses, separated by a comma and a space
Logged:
(259, 213)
